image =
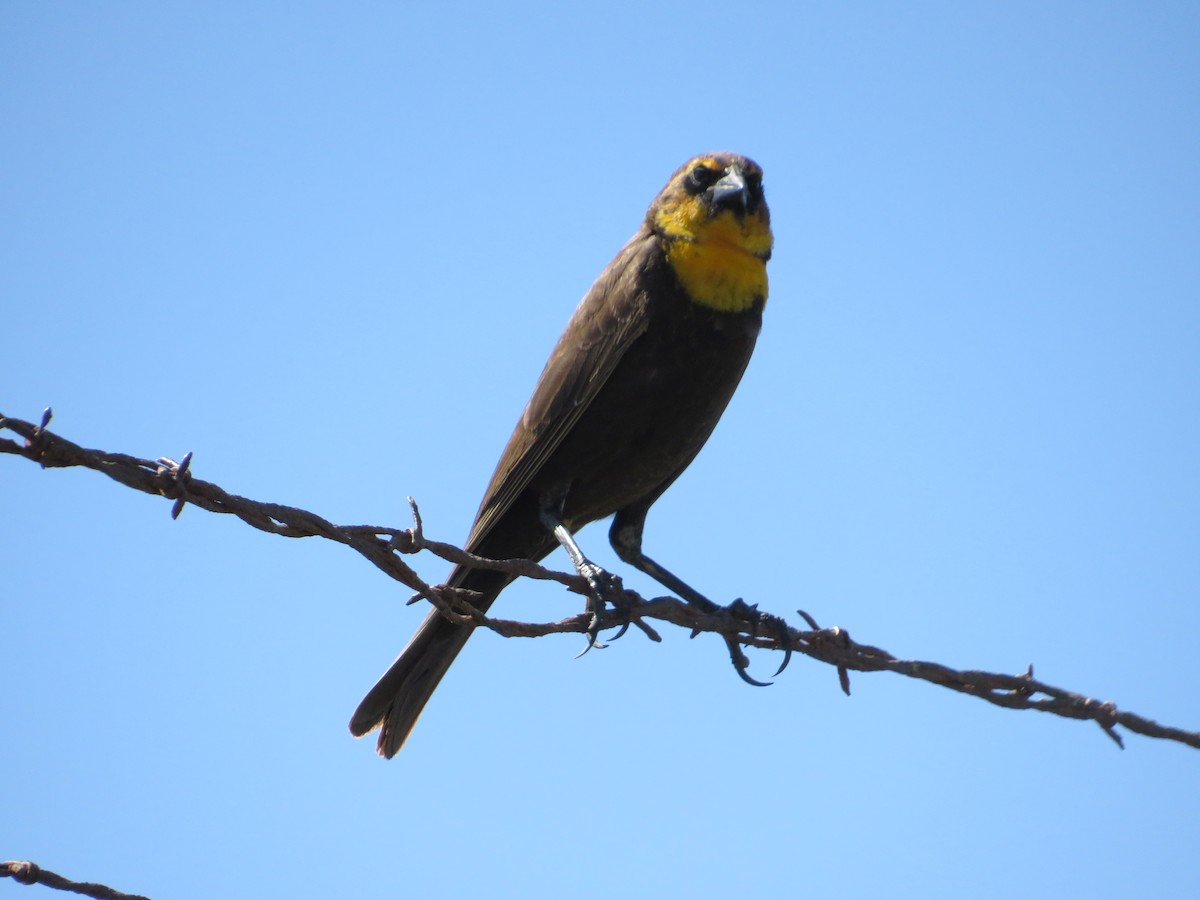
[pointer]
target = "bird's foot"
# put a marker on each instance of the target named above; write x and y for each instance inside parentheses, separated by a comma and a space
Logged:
(603, 588)
(757, 621)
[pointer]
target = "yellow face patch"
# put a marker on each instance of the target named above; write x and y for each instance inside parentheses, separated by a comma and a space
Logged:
(721, 260)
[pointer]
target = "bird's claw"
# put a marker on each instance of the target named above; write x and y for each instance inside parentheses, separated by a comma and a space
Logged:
(621, 603)
(779, 629)
(603, 588)
(783, 638)
(625, 623)
(741, 663)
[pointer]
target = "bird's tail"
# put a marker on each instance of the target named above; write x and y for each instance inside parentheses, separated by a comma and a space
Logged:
(396, 701)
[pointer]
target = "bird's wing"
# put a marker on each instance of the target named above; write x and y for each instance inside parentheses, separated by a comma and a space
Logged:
(610, 317)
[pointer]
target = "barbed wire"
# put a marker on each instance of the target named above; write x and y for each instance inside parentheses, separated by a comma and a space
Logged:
(25, 872)
(739, 623)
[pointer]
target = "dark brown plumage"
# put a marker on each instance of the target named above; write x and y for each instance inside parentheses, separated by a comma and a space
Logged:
(629, 395)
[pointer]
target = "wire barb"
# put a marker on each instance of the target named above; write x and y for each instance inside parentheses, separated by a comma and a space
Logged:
(175, 477)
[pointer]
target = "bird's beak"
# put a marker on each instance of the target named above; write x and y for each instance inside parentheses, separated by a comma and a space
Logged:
(731, 191)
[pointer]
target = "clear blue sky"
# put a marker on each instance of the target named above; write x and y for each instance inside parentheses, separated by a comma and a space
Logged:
(326, 247)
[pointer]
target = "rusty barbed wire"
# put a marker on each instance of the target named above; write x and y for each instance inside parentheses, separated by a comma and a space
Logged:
(739, 622)
(25, 872)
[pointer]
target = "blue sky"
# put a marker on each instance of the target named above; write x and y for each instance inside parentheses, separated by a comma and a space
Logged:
(327, 248)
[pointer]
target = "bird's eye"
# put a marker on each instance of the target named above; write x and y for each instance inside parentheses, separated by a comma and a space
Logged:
(701, 177)
(754, 182)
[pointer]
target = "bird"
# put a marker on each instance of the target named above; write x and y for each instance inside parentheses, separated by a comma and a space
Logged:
(630, 393)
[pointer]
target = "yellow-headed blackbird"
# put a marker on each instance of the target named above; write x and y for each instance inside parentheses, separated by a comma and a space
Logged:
(629, 395)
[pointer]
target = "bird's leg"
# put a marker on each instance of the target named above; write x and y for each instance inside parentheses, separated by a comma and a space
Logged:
(603, 586)
(626, 538)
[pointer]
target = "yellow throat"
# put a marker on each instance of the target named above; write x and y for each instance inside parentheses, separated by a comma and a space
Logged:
(721, 260)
